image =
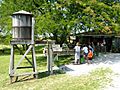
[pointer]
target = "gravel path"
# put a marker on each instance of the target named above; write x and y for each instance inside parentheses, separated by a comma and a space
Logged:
(111, 60)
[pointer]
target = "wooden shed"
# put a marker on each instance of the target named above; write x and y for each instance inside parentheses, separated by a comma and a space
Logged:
(102, 42)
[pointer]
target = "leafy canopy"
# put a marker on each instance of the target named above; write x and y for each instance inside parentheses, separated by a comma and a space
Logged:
(58, 18)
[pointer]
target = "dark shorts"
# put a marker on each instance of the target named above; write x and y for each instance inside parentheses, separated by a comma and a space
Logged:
(85, 54)
(89, 58)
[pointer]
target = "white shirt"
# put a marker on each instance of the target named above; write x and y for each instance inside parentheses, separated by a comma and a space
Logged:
(85, 49)
(77, 49)
(77, 52)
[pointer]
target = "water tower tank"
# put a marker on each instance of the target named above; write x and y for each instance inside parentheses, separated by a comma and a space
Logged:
(22, 25)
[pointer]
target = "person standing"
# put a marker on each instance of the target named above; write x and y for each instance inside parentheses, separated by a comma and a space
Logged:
(77, 53)
(90, 47)
(85, 50)
(89, 56)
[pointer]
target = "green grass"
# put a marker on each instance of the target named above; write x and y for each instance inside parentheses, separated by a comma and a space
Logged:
(65, 59)
(94, 81)
(6, 48)
(39, 49)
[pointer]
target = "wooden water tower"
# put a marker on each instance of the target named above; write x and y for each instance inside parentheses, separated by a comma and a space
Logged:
(23, 34)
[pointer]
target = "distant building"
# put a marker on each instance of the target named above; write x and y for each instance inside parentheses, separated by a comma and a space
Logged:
(102, 42)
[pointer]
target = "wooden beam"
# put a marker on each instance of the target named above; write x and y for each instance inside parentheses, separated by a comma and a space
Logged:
(20, 42)
(24, 67)
(22, 57)
(48, 59)
(34, 60)
(23, 54)
(11, 66)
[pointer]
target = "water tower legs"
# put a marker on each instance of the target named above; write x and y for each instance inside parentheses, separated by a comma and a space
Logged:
(13, 67)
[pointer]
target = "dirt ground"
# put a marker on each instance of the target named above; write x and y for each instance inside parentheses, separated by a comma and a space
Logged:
(111, 60)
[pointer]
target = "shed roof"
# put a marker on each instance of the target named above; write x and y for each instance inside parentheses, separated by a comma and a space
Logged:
(23, 12)
(95, 34)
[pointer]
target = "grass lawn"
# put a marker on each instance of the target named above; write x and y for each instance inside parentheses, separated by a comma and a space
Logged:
(94, 81)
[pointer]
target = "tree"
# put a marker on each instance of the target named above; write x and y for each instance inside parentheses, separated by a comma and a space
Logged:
(58, 18)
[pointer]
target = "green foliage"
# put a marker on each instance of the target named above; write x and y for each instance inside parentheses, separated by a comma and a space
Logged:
(61, 17)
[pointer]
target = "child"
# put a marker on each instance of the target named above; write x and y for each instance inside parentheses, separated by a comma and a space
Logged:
(85, 50)
(89, 56)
